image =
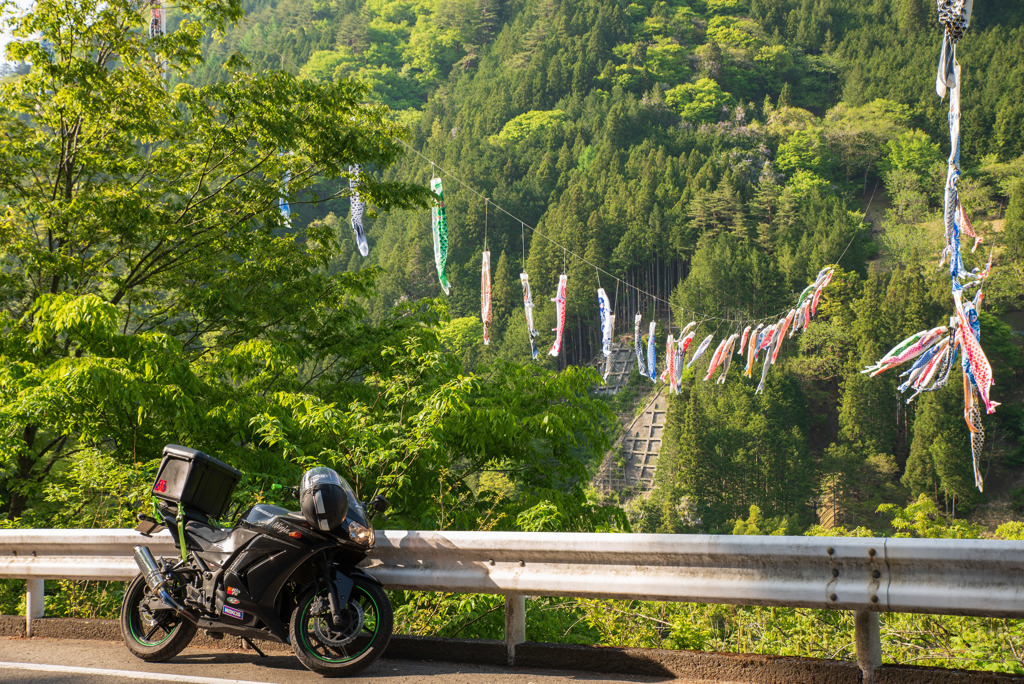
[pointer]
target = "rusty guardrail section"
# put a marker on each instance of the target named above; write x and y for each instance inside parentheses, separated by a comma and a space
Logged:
(864, 575)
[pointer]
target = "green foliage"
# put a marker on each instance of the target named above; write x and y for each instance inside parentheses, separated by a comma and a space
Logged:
(1013, 529)
(150, 291)
(946, 641)
(155, 292)
(859, 137)
(730, 275)
(1017, 499)
(425, 429)
(699, 102)
(913, 151)
(805, 183)
(759, 525)
(667, 61)
(923, 519)
(804, 150)
(461, 336)
(160, 297)
(938, 461)
(528, 124)
(84, 599)
(1013, 227)
(724, 454)
(729, 31)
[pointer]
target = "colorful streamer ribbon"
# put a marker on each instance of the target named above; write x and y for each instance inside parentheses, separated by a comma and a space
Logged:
(485, 295)
(282, 202)
(356, 208)
(651, 350)
(604, 307)
(528, 306)
(439, 227)
(639, 346)
(559, 300)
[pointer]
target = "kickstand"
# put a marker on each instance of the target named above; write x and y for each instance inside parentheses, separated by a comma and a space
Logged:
(253, 646)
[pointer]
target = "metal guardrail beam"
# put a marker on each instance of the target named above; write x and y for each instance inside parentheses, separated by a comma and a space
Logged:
(954, 577)
(865, 575)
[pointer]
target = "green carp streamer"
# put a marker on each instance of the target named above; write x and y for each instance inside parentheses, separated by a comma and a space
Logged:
(439, 224)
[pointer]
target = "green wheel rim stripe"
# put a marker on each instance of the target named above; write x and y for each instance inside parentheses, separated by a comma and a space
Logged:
(141, 640)
(132, 622)
(152, 643)
(309, 647)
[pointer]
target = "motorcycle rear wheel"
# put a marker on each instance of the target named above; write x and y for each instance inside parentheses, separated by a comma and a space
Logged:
(341, 650)
(152, 636)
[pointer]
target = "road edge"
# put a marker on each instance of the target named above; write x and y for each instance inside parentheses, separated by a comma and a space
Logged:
(693, 665)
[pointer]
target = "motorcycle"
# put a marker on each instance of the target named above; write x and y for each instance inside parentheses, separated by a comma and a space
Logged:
(285, 576)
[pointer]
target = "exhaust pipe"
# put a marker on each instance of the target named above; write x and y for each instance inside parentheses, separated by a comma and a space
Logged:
(158, 581)
(150, 571)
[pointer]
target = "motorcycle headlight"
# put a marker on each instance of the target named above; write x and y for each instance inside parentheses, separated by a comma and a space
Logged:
(360, 534)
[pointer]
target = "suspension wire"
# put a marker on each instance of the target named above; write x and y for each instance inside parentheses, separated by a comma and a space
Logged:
(639, 292)
(522, 236)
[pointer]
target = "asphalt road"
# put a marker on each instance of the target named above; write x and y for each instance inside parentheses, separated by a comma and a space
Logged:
(65, 661)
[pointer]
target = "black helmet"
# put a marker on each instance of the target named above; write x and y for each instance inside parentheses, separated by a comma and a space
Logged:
(322, 498)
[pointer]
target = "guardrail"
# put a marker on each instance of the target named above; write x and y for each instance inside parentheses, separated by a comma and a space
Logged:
(864, 575)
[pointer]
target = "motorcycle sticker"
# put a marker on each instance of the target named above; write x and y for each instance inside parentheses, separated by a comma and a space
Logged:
(232, 591)
(280, 527)
(232, 600)
(233, 612)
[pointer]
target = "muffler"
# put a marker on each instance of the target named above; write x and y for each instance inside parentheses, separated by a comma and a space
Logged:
(150, 571)
(159, 582)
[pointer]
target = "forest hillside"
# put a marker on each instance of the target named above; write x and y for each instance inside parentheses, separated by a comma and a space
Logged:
(712, 156)
(177, 266)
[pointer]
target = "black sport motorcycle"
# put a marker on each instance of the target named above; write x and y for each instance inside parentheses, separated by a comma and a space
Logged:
(276, 574)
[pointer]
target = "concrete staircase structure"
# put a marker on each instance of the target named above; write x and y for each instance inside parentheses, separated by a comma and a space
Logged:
(615, 369)
(632, 461)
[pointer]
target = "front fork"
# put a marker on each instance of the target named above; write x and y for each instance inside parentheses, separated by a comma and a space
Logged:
(339, 588)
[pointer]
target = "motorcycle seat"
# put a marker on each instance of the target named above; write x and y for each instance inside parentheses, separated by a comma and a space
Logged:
(217, 544)
(216, 539)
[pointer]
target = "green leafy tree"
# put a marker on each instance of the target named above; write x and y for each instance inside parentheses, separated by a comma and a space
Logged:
(857, 137)
(699, 102)
(144, 252)
(424, 431)
(915, 152)
(1013, 228)
(804, 150)
(506, 294)
(528, 124)
(939, 465)
(923, 519)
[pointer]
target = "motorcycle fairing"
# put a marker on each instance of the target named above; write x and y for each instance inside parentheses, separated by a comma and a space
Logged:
(267, 549)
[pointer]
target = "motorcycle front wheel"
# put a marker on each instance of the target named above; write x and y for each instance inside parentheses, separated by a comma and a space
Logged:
(154, 635)
(351, 645)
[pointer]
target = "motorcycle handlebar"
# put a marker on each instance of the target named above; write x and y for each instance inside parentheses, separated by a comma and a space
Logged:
(294, 491)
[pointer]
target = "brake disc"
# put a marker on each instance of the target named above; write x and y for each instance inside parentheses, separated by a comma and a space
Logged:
(336, 638)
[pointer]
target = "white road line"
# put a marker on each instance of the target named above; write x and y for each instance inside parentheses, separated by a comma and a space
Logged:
(99, 671)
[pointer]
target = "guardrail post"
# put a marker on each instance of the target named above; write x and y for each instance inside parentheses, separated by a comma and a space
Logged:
(869, 643)
(515, 624)
(35, 590)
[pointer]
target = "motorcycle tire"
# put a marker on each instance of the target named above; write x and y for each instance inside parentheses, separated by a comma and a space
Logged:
(341, 650)
(152, 637)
